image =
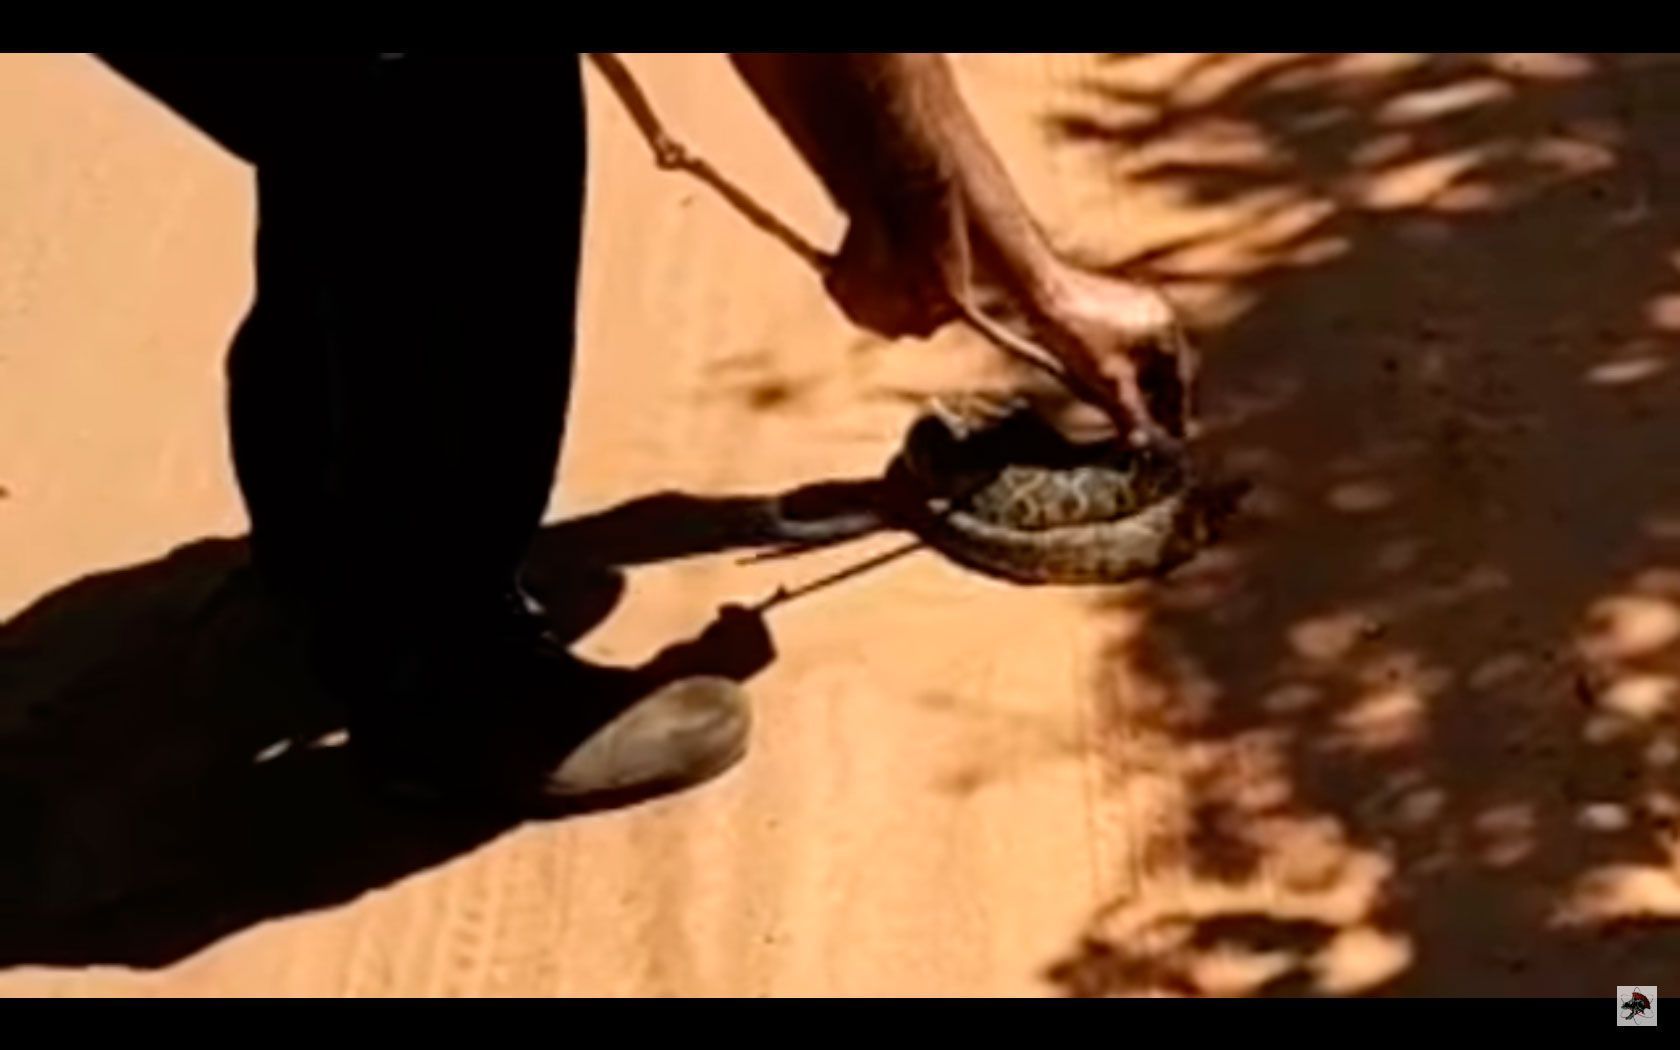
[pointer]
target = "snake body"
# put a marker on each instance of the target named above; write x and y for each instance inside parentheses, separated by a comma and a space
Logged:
(995, 488)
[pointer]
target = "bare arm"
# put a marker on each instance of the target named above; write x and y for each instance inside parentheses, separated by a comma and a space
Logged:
(933, 211)
(891, 139)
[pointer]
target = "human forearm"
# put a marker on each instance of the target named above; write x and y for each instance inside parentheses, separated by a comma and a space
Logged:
(891, 138)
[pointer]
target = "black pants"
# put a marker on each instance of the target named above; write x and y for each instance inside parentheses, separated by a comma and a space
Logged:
(397, 393)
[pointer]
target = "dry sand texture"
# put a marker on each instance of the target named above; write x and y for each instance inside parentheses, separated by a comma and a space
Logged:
(1412, 730)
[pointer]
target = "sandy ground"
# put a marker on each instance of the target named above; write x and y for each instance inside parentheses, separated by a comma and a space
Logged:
(1413, 730)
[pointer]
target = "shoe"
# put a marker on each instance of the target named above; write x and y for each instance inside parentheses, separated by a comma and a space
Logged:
(533, 728)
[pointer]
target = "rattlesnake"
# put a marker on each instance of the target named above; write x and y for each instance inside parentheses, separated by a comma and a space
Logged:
(994, 487)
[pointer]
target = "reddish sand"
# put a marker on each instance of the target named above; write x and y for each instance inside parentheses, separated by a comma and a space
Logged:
(1406, 732)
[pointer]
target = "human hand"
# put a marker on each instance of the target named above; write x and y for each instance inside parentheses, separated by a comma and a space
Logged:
(1124, 340)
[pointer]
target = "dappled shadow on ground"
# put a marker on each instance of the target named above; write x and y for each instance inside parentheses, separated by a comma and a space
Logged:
(1419, 719)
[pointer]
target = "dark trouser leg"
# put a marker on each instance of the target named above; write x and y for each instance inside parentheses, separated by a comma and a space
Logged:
(398, 393)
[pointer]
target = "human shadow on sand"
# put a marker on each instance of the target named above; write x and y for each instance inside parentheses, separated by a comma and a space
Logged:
(170, 774)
